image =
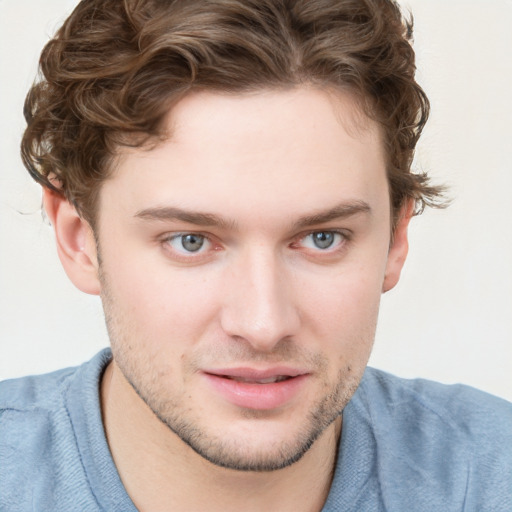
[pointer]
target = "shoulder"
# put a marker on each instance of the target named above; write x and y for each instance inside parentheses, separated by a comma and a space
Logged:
(451, 441)
(45, 393)
(31, 408)
(467, 410)
(39, 457)
(32, 417)
(34, 392)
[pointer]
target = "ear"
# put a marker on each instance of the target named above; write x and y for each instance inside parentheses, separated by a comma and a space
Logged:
(75, 242)
(398, 249)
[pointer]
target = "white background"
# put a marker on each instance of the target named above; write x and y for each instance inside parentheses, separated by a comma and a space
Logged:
(450, 318)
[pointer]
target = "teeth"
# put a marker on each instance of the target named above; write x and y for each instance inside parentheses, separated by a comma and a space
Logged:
(269, 380)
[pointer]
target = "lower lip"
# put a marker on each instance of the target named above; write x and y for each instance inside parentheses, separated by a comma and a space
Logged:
(257, 396)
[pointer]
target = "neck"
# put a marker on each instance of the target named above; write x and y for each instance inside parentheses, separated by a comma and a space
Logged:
(161, 472)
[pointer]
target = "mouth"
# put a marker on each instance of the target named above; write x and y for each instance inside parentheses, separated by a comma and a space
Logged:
(269, 380)
(249, 388)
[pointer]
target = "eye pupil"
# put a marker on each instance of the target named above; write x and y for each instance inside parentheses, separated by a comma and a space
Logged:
(192, 243)
(323, 239)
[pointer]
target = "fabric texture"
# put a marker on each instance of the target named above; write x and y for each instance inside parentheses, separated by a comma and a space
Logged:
(406, 445)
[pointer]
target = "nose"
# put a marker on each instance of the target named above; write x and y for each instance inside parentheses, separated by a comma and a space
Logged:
(259, 301)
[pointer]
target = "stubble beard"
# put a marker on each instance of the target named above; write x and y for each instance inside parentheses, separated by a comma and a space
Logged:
(234, 454)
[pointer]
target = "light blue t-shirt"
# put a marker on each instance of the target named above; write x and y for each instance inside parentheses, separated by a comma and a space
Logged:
(406, 445)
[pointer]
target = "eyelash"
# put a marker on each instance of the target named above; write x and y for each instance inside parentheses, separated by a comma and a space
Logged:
(168, 239)
(190, 256)
(343, 238)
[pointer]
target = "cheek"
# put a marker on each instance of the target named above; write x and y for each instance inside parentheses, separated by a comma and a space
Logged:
(159, 304)
(344, 311)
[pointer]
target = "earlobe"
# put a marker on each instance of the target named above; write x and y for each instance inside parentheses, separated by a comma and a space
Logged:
(75, 242)
(399, 248)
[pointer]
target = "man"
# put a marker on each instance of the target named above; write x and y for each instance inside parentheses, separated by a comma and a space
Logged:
(233, 179)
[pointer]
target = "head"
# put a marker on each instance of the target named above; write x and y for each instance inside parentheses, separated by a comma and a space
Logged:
(113, 87)
(233, 177)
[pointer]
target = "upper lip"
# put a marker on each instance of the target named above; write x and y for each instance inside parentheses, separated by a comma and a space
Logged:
(246, 372)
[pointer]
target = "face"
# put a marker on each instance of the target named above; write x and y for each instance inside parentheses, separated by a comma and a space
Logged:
(242, 262)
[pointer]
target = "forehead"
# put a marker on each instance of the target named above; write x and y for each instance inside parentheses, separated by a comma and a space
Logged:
(290, 150)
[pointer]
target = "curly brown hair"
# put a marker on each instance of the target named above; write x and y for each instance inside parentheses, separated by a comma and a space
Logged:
(115, 67)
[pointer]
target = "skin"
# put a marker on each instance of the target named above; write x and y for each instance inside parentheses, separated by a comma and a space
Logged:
(276, 175)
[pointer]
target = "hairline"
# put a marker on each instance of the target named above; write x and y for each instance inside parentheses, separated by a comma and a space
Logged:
(354, 120)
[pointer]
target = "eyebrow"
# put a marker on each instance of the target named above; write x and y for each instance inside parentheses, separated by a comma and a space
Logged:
(170, 213)
(340, 211)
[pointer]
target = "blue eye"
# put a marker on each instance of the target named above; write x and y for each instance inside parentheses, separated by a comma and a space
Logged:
(192, 243)
(188, 242)
(323, 240)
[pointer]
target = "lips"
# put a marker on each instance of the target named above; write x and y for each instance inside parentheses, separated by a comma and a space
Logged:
(269, 380)
(251, 388)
